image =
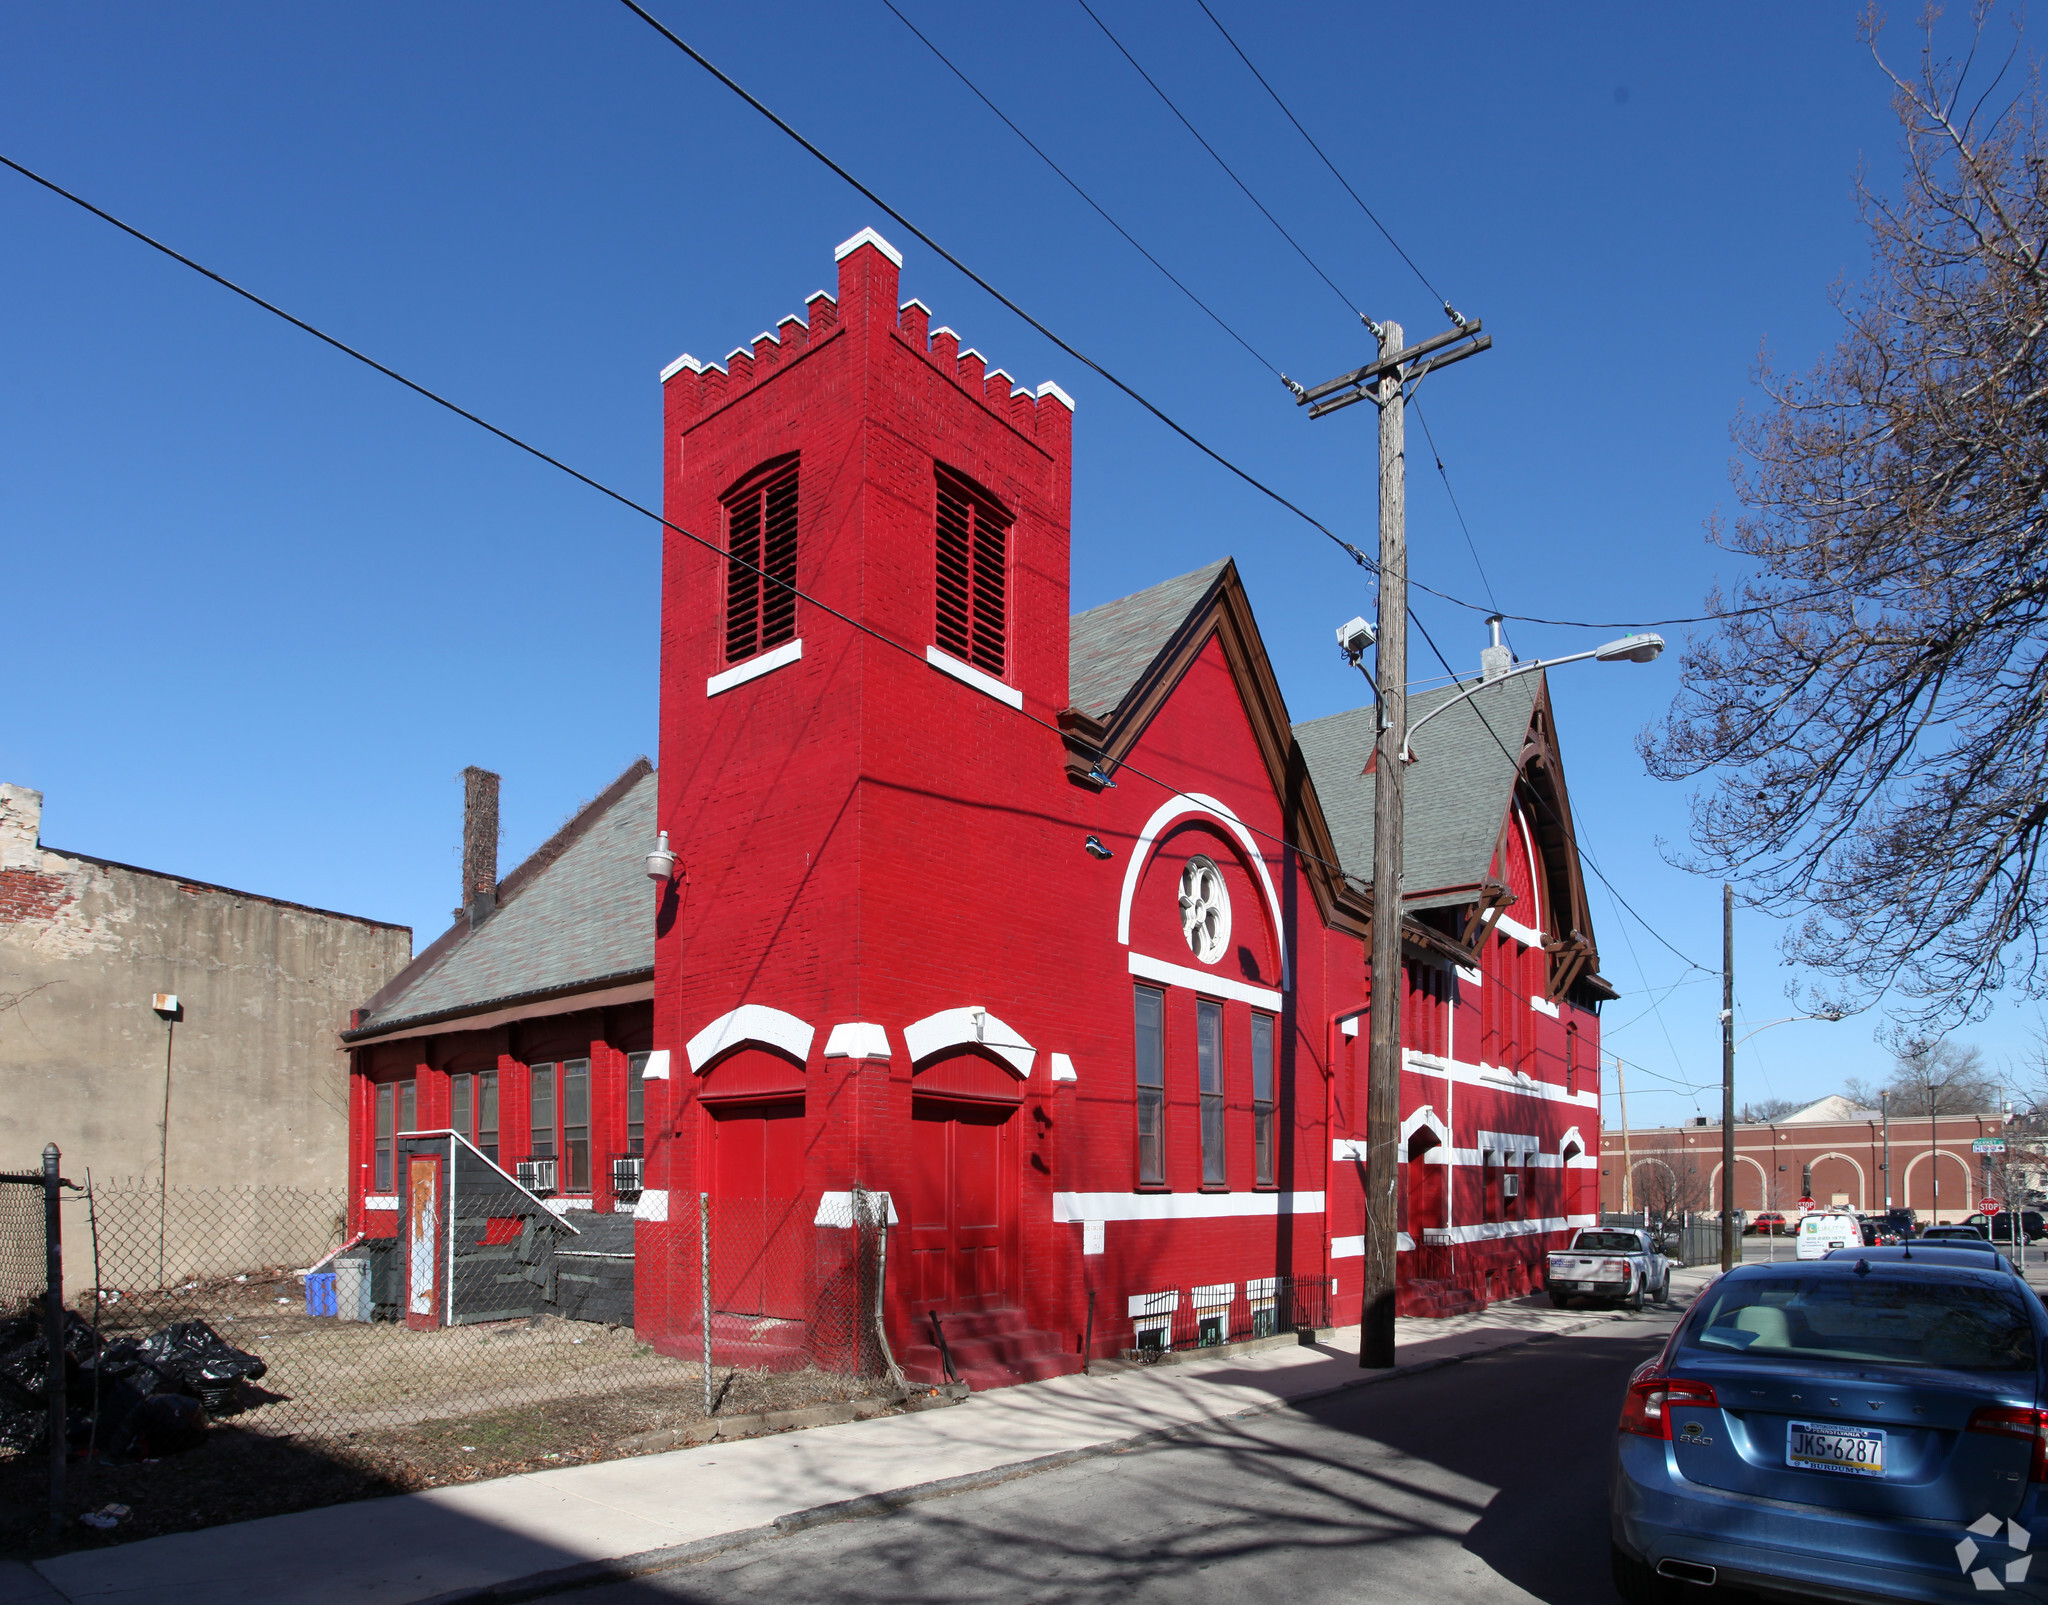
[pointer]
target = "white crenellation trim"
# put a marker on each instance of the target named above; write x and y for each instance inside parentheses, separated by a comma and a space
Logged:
(968, 674)
(1057, 394)
(820, 295)
(1063, 1068)
(942, 329)
(738, 351)
(913, 302)
(772, 339)
(1150, 969)
(971, 1027)
(1193, 802)
(657, 1066)
(653, 1204)
(836, 1209)
(857, 1039)
(998, 373)
(751, 1022)
(783, 323)
(1181, 1206)
(754, 668)
(677, 366)
(867, 236)
(970, 352)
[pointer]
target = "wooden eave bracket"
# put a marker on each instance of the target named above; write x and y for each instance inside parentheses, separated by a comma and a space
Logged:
(1084, 738)
(1494, 899)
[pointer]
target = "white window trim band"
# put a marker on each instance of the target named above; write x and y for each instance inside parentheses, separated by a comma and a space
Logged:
(967, 674)
(755, 667)
(1069, 1207)
(1218, 986)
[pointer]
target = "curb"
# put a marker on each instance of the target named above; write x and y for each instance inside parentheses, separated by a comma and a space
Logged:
(591, 1573)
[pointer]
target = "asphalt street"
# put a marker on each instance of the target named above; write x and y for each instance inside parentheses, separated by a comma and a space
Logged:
(1481, 1481)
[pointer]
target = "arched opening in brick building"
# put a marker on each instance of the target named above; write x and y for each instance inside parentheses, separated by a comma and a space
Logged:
(1427, 1195)
(962, 1219)
(753, 1114)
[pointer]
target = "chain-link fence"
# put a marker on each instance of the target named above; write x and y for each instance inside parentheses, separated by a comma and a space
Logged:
(239, 1354)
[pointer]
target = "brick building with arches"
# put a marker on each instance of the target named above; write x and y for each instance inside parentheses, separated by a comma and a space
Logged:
(1051, 927)
(1831, 1151)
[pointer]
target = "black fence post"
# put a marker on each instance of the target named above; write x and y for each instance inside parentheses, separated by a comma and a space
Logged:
(53, 1332)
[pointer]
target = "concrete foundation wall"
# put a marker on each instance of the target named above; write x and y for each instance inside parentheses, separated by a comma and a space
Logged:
(259, 1080)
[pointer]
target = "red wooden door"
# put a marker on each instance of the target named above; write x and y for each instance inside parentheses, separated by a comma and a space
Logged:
(758, 1242)
(962, 1206)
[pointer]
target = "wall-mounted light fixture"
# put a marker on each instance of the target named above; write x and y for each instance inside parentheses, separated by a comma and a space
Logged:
(1096, 849)
(166, 1005)
(661, 863)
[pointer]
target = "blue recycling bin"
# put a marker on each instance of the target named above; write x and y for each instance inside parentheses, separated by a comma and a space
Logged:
(320, 1293)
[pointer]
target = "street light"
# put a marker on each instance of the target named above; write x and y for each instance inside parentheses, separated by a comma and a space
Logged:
(1832, 1016)
(1628, 649)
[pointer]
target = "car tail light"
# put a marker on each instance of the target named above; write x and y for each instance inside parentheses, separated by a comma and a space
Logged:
(2008, 1421)
(1647, 1409)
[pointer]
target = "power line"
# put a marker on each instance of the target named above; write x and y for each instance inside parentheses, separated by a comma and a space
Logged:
(1214, 316)
(1449, 311)
(1444, 475)
(1220, 162)
(577, 474)
(975, 278)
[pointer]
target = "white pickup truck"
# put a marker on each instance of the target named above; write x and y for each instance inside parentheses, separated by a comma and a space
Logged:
(1621, 1263)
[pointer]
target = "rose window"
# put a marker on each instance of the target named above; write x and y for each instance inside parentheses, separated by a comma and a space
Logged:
(1204, 910)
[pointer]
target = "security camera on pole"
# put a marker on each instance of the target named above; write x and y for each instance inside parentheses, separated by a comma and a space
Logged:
(1386, 380)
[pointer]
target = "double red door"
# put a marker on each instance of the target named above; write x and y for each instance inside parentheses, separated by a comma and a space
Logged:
(758, 1240)
(962, 1215)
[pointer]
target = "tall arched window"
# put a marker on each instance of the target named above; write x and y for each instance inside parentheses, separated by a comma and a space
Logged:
(760, 565)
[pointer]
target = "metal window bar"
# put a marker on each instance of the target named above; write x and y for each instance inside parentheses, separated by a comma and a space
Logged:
(1208, 1316)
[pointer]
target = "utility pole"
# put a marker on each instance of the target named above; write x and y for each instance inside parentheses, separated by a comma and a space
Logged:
(1728, 1242)
(1884, 1105)
(1628, 1165)
(1387, 380)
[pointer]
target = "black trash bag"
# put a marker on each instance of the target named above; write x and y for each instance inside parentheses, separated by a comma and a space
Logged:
(162, 1424)
(210, 1368)
(24, 1356)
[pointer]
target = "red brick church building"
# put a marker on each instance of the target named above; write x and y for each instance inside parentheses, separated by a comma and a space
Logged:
(1039, 924)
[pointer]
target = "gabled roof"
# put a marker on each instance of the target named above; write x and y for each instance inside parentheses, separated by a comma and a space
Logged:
(1834, 1109)
(1110, 647)
(577, 914)
(1457, 792)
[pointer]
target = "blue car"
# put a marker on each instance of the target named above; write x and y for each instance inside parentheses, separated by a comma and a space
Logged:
(1855, 1428)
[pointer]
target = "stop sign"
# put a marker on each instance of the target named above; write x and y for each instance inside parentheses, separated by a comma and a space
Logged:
(1989, 1206)
(1806, 1203)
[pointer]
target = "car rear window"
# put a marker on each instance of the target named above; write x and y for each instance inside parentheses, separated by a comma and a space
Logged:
(1606, 1242)
(1893, 1320)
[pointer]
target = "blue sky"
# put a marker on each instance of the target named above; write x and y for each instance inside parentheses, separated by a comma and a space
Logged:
(265, 605)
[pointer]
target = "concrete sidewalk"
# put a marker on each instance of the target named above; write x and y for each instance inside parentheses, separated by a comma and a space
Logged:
(516, 1535)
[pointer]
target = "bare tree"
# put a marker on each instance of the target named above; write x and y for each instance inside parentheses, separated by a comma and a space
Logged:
(1931, 1076)
(1872, 708)
(1668, 1180)
(1766, 1110)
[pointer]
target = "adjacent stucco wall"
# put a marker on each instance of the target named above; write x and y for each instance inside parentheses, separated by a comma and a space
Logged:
(259, 1079)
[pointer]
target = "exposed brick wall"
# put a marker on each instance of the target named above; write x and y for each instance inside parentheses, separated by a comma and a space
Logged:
(27, 894)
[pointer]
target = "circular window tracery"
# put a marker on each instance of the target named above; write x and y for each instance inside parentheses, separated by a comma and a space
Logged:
(1204, 909)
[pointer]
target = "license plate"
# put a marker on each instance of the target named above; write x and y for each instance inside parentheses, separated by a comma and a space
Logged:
(1859, 1451)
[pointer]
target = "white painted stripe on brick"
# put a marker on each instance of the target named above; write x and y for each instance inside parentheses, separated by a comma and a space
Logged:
(653, 1204)
(1217, 986)
(754, 668)
(968, 674)
(1181, 1206)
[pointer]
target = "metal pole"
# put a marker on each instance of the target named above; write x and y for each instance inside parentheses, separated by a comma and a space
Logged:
(1628, 1163)
(163, 1157)
(1729, 1253)
(1884, 1105)
(704, 1285)
(1383, 1084)
(53, 1333)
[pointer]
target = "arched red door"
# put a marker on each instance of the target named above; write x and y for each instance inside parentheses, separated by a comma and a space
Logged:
(754, 1101)
(962, 1217)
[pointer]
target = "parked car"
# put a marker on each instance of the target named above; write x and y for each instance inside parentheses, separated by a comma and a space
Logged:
(1824, 1231)
(1952, 1234)
(1962, 1240)
(1622, 1264)
(1863, 1427)
(1879, 1232)
(1932, 1254)
(2010, 1226)
(1769, 1223)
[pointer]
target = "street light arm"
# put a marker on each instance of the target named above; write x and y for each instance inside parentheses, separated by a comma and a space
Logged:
(1407, 750)
(1832, 1019)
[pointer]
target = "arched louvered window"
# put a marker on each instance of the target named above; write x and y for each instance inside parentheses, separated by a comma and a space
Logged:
(973, 573)
(760, 567)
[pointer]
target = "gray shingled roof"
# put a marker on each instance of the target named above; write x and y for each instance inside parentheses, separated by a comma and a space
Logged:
(1457, 789)
(1110, 646)
(586, 917)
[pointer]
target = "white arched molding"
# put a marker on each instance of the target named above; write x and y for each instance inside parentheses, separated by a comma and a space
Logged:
(1427, 1119)
(1570, 1138)
(1763, 1182)
(1914, 1163)
(970, 1027)
(1862, 1189)
(750, 1022)
(1174, 808)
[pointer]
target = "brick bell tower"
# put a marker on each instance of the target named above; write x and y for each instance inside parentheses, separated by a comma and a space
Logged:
(846, 808)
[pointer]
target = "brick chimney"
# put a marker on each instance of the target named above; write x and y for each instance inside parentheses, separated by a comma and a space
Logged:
(479, 845)
(21, 828)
